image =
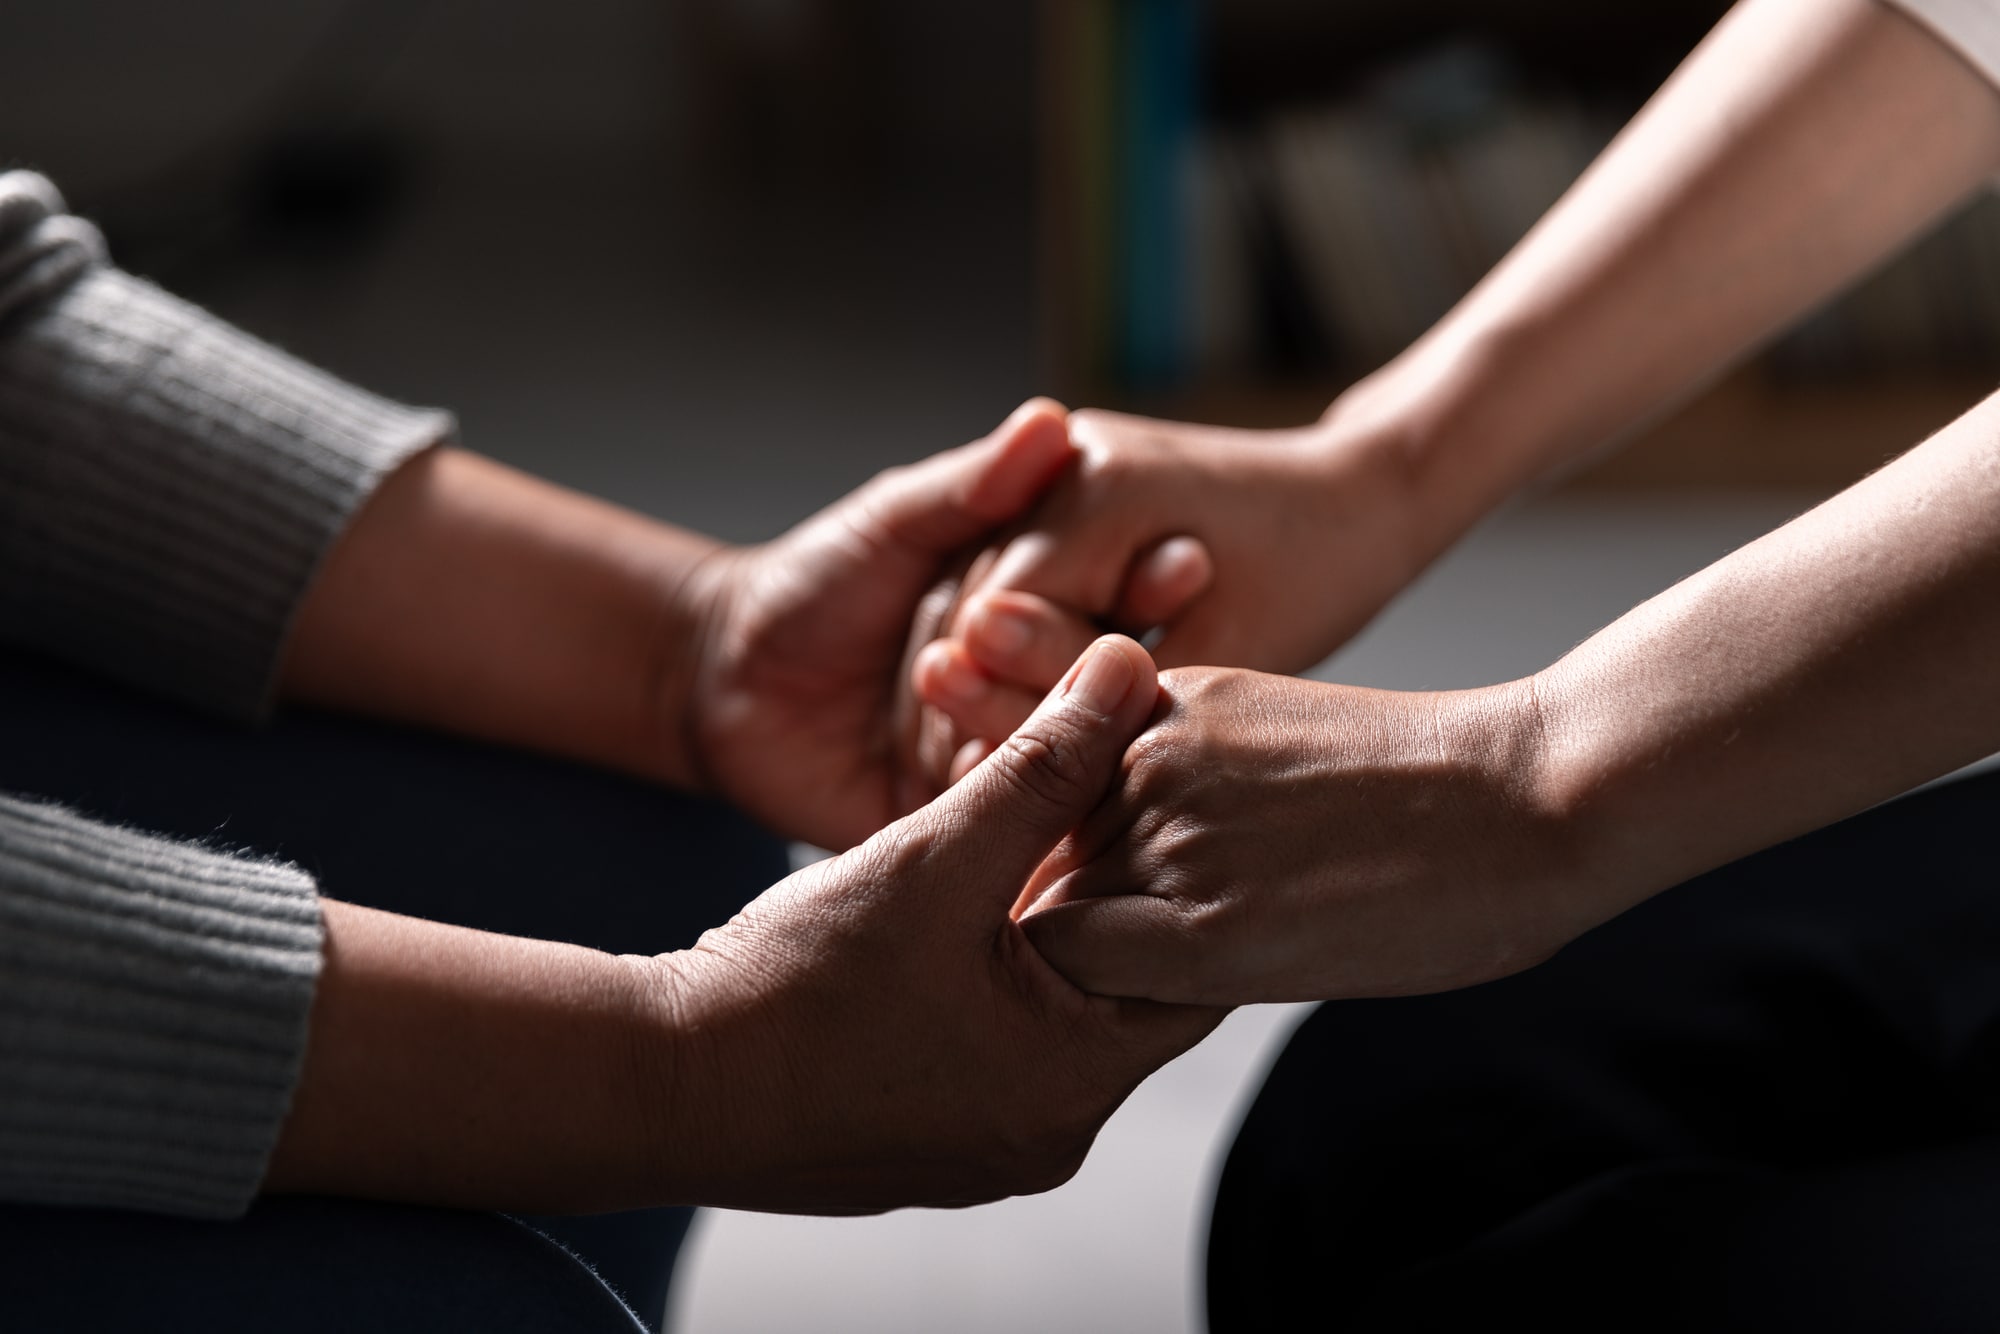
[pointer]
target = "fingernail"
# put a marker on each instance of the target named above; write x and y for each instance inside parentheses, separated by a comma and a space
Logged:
(1102, 680)
(960, 682)
(1004, 633)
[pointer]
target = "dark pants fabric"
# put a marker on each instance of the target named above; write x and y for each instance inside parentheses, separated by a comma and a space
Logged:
(1767, 1099)
(397, 819)
(316, 1265)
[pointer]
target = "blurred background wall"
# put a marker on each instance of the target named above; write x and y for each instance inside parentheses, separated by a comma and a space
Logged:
(653, 248)
(668, 252)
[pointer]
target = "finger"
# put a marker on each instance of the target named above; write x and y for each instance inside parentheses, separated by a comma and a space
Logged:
(1079, 867)
(1023, 639)
(1207, 632)
(1092, 859)
(968, 758)
(1014, 806)
(924, 737)
(1074, 560)
(949, 681)
(977, 576)
(1136, 945)
(910, 721)
(1162, 581)
(946, 501)
(1081, 545)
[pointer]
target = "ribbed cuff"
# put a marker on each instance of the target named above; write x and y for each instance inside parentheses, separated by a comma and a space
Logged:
(42, 248)
(154, 997)
(170, 485)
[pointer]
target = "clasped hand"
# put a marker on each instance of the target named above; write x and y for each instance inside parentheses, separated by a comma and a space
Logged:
(1262, 839)
(1262, 549)
(1268, 838)
(1271, 839)
(874, 1031)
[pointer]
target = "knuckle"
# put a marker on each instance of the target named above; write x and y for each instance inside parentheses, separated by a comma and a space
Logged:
(1208, 917)
(1050, 764)
(1104, 421)
(1190, 684)
(1152, 753)
(1173, 839)
(1091, 423)
(1107, 464)
(896, 474)
(1201, 703)
(1106, 441)
(907, 855)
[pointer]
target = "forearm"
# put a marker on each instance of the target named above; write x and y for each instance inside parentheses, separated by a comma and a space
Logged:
(1333, 842)
(871, 1032)
(1803, 142)
(455, 1067)
(470, 597)
(1830, 665)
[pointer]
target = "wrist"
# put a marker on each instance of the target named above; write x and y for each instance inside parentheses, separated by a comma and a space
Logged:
(1545, 861)
(1610, 854)
(1444, 419)
(683, 659)
(676, 1086)
(727, 1109)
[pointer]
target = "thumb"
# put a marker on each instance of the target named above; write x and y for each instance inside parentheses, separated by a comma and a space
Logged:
(948, 500)
(1040, 783)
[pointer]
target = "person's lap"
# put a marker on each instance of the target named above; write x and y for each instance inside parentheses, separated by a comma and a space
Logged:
(315, 1266)
(391, 818)
(1770, 1097)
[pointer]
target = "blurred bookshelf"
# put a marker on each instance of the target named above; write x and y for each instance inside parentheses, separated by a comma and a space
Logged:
(1246, 204)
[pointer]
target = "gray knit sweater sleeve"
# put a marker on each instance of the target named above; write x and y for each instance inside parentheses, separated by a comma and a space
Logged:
(168, 487)
(153, 1002)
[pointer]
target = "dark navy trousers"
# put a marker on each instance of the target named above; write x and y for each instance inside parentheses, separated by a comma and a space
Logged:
(415, 823)
(1768, 1099)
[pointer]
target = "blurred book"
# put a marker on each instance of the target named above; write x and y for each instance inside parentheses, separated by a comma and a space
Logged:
(1396, 201)
(1320, 240)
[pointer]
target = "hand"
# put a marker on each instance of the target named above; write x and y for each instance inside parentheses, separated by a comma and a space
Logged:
(1274, 840)
(803, 642)
(874, 1031)
(1264, 549)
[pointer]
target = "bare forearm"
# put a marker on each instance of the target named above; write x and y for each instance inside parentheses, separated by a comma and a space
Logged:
(871, 1032)
(473, 598)
(455, 1067)
(1832, 664)
(1801, 144)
